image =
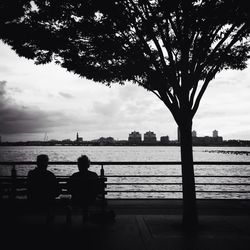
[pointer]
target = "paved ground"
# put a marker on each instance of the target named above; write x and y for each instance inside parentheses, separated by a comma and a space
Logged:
(138, 225)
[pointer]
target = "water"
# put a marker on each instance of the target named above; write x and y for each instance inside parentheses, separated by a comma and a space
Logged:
(140, 153)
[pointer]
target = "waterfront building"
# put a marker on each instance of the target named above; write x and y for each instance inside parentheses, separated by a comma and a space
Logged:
(164, 139)
(78, 139)
(134, 137)
(66, 141)
(106, 141)
(207, 141)
(150, 137)
(194, 133)
(215, 133)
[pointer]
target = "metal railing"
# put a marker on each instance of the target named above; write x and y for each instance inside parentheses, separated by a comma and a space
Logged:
(143, 186)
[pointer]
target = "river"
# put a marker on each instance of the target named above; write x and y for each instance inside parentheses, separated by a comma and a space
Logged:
(136, 153)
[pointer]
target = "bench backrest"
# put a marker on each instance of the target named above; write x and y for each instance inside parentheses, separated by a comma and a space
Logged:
(14, 188)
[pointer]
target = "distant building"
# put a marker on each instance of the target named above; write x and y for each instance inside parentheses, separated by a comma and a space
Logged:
(78, 139)
(149, 137)
(66, 140)
(164, 139)
(134, 137)
(106, 141)
(218, 139)
(215, 133)
(207, 141)
(194, 133)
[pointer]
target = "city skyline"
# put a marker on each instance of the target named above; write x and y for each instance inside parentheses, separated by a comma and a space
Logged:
(46, 99)
(78, 138)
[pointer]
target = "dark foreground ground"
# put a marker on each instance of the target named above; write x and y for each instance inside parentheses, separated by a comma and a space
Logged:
(138, 225)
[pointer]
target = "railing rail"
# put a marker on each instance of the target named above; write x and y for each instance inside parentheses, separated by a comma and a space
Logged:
(237, 183)
(106, 163)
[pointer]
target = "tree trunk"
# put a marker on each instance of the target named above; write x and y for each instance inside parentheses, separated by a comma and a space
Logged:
(190, 217)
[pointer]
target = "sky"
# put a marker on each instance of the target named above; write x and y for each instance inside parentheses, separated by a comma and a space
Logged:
(38, 101)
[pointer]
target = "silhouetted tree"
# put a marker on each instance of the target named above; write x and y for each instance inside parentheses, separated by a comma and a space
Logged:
(172, 48)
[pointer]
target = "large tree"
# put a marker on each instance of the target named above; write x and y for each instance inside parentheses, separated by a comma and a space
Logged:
(173, 48)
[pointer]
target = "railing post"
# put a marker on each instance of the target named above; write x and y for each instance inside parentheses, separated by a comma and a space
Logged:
(102, 172)
(102, 175)
(13, 179)
(1, 191)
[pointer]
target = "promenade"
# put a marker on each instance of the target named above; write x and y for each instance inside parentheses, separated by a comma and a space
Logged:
(139, 224)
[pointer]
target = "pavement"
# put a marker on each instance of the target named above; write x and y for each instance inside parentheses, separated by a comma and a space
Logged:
(140, 225)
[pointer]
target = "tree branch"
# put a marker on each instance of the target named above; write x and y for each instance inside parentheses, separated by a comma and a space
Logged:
(166, 42)
(174, 109)
(210, 56)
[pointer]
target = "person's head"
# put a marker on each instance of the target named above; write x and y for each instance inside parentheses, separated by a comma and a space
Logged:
(83, 163)
(42, 161)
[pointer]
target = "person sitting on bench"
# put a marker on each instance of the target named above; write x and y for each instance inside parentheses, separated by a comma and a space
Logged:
(42, 186)
(83, 186)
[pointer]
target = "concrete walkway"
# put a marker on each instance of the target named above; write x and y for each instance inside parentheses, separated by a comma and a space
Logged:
(138, 225)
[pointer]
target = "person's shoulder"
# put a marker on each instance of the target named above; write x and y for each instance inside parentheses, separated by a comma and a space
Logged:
(50, 174)
(93, 174)
(32, 172)
(75, 175)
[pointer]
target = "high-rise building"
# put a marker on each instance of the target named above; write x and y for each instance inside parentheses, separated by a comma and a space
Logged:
(134, 137)
(215, 133)
(150, 137)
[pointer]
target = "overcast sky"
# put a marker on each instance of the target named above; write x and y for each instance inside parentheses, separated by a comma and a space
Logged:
(38, 100)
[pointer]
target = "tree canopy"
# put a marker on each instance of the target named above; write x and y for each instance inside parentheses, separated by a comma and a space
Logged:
(170, 47)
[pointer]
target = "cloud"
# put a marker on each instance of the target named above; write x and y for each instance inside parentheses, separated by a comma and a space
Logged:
(66, 95)
(2, 89)
(108, 109)
(22, 119)
(4, 69)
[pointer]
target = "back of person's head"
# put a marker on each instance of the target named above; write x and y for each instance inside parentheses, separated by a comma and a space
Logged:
(42, 161)
(83, 163)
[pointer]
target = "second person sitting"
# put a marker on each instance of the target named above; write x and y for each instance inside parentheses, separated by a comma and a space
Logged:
(83, 185)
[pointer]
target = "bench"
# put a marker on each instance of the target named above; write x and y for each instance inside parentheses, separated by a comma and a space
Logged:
(13, 192)
(65, 198)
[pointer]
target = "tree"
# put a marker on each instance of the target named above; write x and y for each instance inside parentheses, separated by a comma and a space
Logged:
(173, 48)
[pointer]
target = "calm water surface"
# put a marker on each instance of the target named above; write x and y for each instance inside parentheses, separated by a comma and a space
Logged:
(138, 153)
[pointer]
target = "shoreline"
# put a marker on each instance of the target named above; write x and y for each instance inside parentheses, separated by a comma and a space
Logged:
(88, 145)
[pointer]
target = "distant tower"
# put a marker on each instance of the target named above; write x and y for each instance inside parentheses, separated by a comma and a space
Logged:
(194, 133)
(78, 139)
(215, 133)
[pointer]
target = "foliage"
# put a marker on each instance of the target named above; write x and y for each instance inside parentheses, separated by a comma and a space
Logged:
(167, 46)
